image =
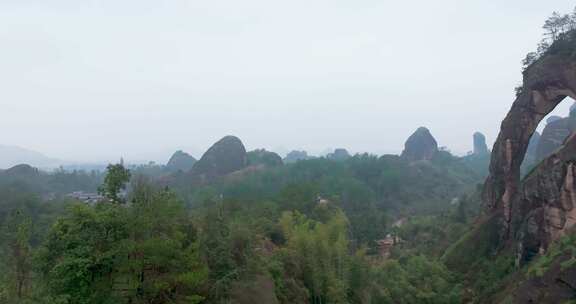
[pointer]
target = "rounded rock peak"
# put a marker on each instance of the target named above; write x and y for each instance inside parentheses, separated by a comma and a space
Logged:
(229, 139)
(339, 154)
(295, 155)
(228, 142)
(264, 158)
(180, 161)
(421, 145)
(225, 156)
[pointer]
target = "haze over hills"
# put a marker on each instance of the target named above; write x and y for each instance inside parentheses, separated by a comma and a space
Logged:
(11, 156)
(239, 223)
(276, 80)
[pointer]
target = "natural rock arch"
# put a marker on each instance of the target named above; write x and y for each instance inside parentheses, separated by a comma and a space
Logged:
(546, 83)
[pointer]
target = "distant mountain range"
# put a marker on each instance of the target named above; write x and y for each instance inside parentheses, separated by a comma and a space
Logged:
(12, 155)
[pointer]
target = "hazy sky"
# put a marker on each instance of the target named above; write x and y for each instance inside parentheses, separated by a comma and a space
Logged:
(95, 80)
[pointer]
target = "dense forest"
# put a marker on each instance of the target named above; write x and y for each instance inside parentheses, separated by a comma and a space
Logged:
(239, 226)
(306, 232)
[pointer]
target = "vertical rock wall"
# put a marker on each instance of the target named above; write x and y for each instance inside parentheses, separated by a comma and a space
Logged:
(546, 84)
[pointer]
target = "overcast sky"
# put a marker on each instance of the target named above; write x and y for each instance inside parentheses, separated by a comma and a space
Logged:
(90, 80)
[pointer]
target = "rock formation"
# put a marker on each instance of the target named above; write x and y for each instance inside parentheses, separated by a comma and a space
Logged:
(421, 145)
(530, 158)
(533, 145)
(295, 156)
(180, 161)
(224, 157)
(556, 131)
(547, 204)
(480, 147)
(553, 118)
(261, 157)
(479, 159)
(339, 155)
(538, 211)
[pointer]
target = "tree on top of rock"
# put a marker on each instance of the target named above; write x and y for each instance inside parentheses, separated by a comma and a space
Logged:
(559, 32)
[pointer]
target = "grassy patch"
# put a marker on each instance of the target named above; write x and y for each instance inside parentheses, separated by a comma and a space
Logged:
(565, 245)
(472, 247)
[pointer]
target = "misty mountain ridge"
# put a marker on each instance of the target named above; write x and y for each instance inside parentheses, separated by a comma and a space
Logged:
(11, 156)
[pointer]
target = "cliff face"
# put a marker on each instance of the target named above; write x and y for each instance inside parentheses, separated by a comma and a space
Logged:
(546, 208)
(537, 211)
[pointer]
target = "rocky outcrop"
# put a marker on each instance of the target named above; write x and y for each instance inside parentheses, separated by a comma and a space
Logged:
(339, 155)
(538, 211)
(480, 147)
(295, 156)
(553, 118)
(180, 161)
(224, 157)
(556, 131)
(421, 145)
(547, 204)
(261, 157)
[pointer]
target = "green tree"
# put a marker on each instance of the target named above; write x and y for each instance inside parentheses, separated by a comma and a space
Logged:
(216, 244)
(462, 209)
(159, 264)
(18, 275)
(117, 177)
(417, 280)
(80, 256)
(554, 25)
(321, 252)
(109, 253)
